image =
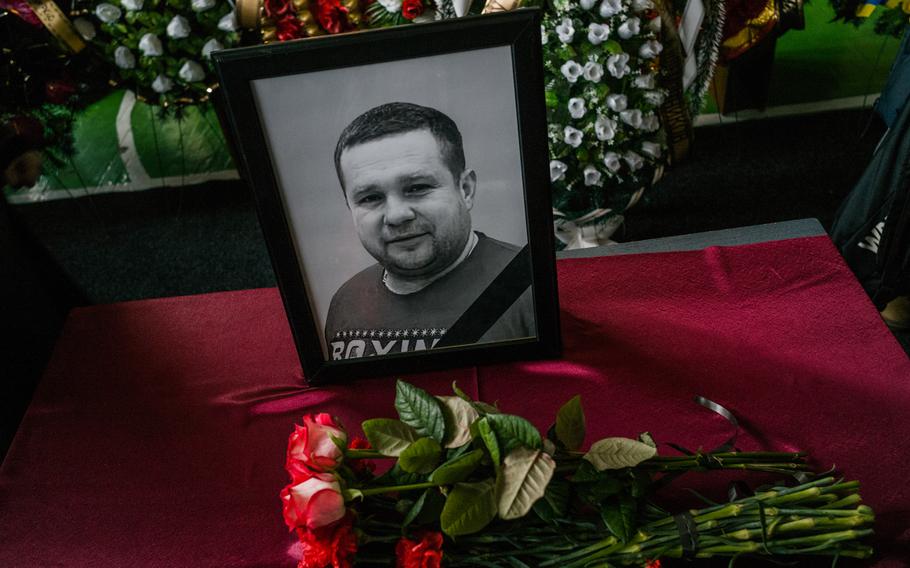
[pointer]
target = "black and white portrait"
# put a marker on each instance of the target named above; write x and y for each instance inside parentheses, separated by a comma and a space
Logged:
(403, 191)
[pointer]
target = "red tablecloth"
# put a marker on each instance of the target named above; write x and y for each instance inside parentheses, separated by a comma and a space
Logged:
(157, 435)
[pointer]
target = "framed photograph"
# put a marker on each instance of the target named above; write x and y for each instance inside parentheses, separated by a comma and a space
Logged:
(402, 183)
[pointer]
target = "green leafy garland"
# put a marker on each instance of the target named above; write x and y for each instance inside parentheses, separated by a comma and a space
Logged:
(161, 48)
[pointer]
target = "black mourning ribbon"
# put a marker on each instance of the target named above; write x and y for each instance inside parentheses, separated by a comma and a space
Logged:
(492, 302)
(688, 534)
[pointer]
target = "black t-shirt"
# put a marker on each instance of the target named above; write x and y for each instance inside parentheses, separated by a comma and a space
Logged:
(366, 318)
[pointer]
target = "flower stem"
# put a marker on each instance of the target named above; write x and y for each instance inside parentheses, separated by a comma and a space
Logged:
(395, 488)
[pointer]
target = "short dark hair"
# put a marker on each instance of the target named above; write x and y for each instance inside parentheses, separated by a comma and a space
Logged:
(398, 118)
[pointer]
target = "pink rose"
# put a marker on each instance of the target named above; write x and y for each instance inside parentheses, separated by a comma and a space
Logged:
(313, 447)
(313, 503)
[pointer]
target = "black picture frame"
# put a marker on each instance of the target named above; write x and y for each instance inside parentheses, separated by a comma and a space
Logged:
(519, 31)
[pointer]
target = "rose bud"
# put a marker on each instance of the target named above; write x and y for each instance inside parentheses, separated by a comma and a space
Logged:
(313, 503)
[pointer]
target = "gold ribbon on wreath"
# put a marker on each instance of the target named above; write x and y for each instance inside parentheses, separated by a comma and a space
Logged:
(57, 24)
(492, 6)
(674, 113)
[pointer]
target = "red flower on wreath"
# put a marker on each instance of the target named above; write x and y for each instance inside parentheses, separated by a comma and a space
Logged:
(21, 9)
(424, 554)
(332, 16)
(410, 9)
(334, 545)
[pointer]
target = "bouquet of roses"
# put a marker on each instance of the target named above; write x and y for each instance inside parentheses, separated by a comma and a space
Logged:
(473, 486)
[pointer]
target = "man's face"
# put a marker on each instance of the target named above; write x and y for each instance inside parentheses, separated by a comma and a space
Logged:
(411, 213)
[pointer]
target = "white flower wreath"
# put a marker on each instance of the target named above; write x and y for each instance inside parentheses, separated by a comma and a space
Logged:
(602, 99)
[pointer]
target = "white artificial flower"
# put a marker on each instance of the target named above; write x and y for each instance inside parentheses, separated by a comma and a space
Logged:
(631, 117)
(150, 45)
(132, 5)
(611, 161)
(617, 102)
(650, 49)
(162, 84)
(565, 30)
(191, 72)
(630, 28)
(202, 5)
(604, 128)
(650, 122)
(210, 46)
(598, 33)
(543, 35)
(634, 160)
(576, 107)
(178, 28)
(609, 8)
(646, 81)
(594, 71)
(572, 136)
(654, 25)
(618, 65)
(107, 13)
(571, 70)
(124, 58)
(588, 4)
(651, 149)
(642, 5)
(391, 5)
(655, 98)
(85, 28)
(592, 175)
(557, 170)
(228, 22)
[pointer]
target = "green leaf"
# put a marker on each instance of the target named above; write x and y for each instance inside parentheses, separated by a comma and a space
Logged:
(523, 480)
(432, 508)
(389, 437)
(419, 410)
(647, 439)
(397, 476)
(469, 508)
(555, 502)
(570, 424)
(421, 456)
(619, 516)
(458, 414)
(552, 99)
(513, 431)
(612, 46)
(617, 453)
(458, 469)
(415, 510)
(488, 437)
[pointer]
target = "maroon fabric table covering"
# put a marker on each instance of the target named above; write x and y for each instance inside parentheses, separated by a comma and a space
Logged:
(157, 435)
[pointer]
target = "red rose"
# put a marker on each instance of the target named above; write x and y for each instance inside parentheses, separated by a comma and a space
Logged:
(361, 466)
(424, 554)
(288, 27)
(332, 16)
(21, 9)
(313, 503)
(333, 545)
(410, 9)
(59, 91)
(275, 9)
(313, 447)
(653, 563)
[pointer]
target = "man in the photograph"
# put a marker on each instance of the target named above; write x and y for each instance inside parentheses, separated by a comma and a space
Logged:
(437, 282)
